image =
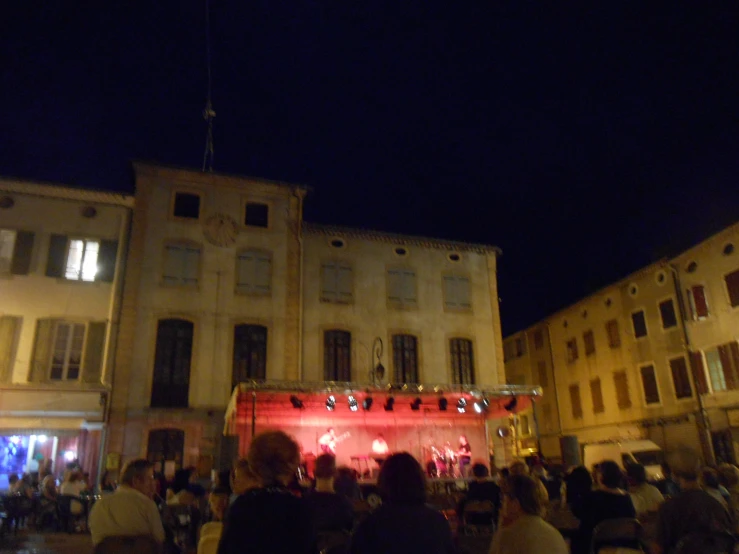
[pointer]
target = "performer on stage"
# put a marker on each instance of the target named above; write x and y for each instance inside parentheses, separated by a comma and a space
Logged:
(327, 442)
(380, 449)
(465, 455)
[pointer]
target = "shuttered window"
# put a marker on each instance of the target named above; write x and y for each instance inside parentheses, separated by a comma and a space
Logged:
(697, 302)
(336, 282)
(621, 382)
(181, 265)
(171, 382)
(575, 401)
(463, 362)
(681, 378)
(405, 359)
(649, 384)
(588, 339)
(639, 322)
(457, 292)
(596, 393)
(732, 286)
(542, 373)
(538, 339)
(254, 273)
(667, 313)
(82, 260)
(571, 347)
(66, 354)
(10, 327)
(723, 366)
(614, 337)
(337, 355)
(15, 251)
(249, 354)
(401, 288)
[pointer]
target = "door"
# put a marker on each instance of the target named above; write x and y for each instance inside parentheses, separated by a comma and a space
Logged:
(166, 445)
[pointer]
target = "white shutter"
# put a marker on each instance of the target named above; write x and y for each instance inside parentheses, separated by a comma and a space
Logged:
(191, 271)
(328, 282)
(245, 272)
(172, 264)
(409, 287)
(262, 273)
(450, 292)
(344, 283)
(394, 285)
(463, 293)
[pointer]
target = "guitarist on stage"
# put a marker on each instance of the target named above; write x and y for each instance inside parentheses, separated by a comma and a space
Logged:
(327, 442)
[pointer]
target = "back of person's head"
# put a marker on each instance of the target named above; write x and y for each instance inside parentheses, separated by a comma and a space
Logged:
(74, 476)
(611, 475)
(13, 478)
(728, 475)
(637, 473)
(519, 468)
(666, 470)
(401, 480)
(325, 467)
(480, 471)
(685, 464)
(181, 480)
(505, 473)
(135, 469)
(223, 480)
(580, 479)
(525, 490)
(709, 478)
(273, 457)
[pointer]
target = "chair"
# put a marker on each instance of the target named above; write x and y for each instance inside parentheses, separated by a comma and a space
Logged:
(333, 542)
(208, 544)
(142, 544)
(67, 518)
(706, 543)
(478, 517)
(212, 528)
(17, 508)
(620, 532)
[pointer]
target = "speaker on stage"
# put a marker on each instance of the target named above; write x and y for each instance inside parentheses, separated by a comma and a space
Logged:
(570, 447)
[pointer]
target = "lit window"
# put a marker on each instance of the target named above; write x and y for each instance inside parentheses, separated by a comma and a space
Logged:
(82, 260)
(67, 356)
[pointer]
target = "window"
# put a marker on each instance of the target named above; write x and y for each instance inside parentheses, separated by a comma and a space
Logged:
(250, 354)
(66, 357)
(575, 401)
(649, 383)
(7, 245)
(621, 381)
(82, 258)
(254, 273)
(520, 345)
(508, 350)
(614, 337)
(186, 205)
(336, 282)
(732, 285)
(596, 393)
(667, 313)
(546, 416)
(697, 302)
(538, 339)
(405, 359)
(463, 362)
(524, 428)
(571, 350)
(640, 324)
(401, 291)
(588, 339)
(723, 366)
(171, 384)
(256, 215)
(542, 372)
(165, 445)
(337, 349)
(181, 265)
(680, 378)
(457, 292)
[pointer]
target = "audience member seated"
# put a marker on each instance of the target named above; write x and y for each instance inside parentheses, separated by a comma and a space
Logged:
(578, 484)
(667, 485)
(107, 483)
(218, 503)
(403, 524)
(329, 511)
(269, 519)
(46, 513)
(73, 485)
(709, 482)
(646, 497)
(242, 479)
(346, 483)
(23, 486)
(481, 488)
(608, 501)
(185, 491)
(691, 511)
(525, 531)
(728, 476)
(130, 510)
(520, 468)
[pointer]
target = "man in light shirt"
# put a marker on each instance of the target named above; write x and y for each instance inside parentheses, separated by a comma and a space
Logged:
(130, 510)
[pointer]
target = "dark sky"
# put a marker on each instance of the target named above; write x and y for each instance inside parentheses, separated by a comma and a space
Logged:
(585, 141)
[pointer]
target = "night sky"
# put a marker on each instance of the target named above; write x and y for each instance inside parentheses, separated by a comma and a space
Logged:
(584, 141)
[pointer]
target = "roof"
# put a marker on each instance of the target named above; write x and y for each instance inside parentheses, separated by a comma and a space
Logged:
(65, 192)
(395, 238)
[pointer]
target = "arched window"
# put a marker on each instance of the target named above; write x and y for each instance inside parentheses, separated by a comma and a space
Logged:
(337, 355)
(171, 383)
(405, 359)
(463, 362)
(250, 354)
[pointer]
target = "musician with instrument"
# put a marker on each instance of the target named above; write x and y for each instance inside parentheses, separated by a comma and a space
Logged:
(329, 440)
(380, 449)
(465, 455)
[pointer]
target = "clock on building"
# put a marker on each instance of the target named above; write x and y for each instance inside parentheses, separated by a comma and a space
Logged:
(220, 229)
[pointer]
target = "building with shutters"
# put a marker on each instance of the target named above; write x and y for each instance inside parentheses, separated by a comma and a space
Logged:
(225, 284)
(61, 263)
(631, 360)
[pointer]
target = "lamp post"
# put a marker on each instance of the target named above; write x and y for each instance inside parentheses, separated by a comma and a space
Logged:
(377, 370)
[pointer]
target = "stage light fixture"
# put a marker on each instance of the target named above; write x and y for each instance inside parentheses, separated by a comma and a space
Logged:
(416, 404)
(353, 404)
(389, 404)
(443, 403)
(461, 405)
(510, 406)
(296, 402)
(331, 403)
(367, 403)
(478, 407)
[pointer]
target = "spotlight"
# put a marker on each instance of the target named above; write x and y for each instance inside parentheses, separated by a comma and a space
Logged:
(443, 403)
(353, 405)
(510, 406)
(481, 406)
(296, 402)
(416, 404)
(331, 403)
(478, 407)
(461, 405)
(367, 403)
(389, 404)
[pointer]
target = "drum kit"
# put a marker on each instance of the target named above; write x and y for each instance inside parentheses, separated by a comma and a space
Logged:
(445, 461)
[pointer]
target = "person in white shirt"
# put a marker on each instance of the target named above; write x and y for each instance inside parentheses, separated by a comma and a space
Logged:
(130, 510)
(646, 497)
(73, 485)
(379, 446)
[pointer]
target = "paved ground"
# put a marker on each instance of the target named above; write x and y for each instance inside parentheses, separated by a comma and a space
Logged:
(46, 543)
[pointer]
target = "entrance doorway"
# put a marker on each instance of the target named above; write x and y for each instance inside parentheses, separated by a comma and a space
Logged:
(165, 450)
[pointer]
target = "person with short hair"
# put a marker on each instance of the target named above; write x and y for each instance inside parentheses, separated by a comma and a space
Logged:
(130, 510)
(481, 489)
(403, 524)
(242, 479)
(269, 518)
(728, 476)
(525, 531)
(646, 497)
(329, 511)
